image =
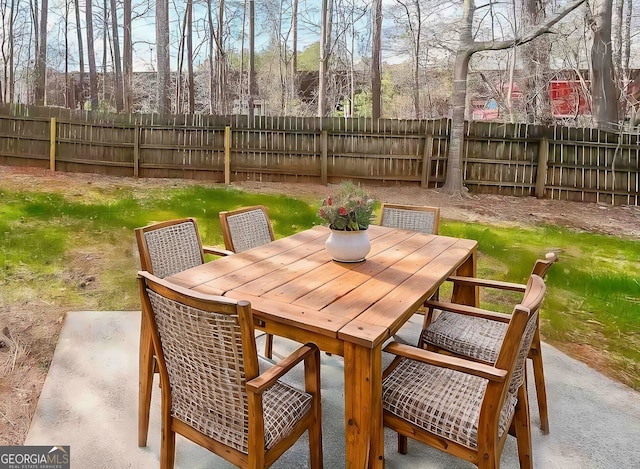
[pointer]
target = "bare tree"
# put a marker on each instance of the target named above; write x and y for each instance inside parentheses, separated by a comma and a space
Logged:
(163, 57)
(376, 57)
(604, 95)
(93, 73)
(127, 56)
(41, 56)
(467, 46)
(325, 54)
(76, 7)
(117, 85)
(190, 79)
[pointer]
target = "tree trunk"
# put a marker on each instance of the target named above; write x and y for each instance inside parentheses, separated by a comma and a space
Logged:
(190, 79)
(454, 182)
(80, 97)
(11, 85)
(127, 57)
(68, 98)
(93, 73)
(604, 94)
(294, 52)
(117, 85)
(212, 84)
(163, 57)
(41, 58)
(325, 53)
(376, 56)
(252, 57)
(536, 64)
(221, 67)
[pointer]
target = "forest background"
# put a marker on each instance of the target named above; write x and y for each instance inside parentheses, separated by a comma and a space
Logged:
(352, 58)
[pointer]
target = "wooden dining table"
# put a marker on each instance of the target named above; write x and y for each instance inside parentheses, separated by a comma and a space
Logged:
(350, 309)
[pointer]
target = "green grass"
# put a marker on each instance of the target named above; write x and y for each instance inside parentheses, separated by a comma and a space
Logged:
(78, 251)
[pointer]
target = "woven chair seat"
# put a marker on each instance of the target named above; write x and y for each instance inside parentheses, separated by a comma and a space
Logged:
(284, 406)
(441, 401)
(473, 337)
(470, 336)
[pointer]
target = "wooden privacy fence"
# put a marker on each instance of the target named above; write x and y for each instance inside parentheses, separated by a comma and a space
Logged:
(511, 159)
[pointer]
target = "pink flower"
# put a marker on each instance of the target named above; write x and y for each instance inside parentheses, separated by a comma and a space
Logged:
(329, 201)
(343, 211)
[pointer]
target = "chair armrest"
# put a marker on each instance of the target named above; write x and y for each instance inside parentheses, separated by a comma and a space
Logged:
(480, 282)
(216, 251)
(260, 383)
(468, 310)
(446, 361)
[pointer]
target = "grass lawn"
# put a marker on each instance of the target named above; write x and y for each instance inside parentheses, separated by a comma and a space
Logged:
(77, 251)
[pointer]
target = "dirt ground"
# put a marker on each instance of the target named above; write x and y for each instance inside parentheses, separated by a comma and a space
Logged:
(26, 346)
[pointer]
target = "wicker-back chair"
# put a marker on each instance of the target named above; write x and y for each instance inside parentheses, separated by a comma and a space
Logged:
(246, 228)
(459, 331)
(411, 217)
(460, 406)
(172, 246)
(165, 249)
(243, 229)
(212, 389)
(420, 218)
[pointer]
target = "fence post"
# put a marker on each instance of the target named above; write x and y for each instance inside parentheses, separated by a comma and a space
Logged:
(136, 151)
(543, 158)
(324, 147)
(227, 155)
(426, 161)
(52, 145)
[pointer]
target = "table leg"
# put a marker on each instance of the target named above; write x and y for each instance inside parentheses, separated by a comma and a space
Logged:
(363, 407)
(466, 294)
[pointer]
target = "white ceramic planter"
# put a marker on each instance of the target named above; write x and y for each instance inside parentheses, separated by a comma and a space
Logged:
(348, 246)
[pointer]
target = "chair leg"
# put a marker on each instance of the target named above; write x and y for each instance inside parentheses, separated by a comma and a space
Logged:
(167, 446)
(523, 429)
(268, 346)
(146, 370)
(403, 446)
(315, 445)
(541, 390)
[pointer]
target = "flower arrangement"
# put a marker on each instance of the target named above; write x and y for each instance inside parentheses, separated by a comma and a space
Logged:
(350, 209)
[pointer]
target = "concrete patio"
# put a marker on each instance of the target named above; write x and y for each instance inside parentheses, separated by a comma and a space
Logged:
(89, 401)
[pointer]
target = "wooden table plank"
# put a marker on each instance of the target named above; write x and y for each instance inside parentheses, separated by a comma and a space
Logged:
(394, 309)
(397, 269)
(226, 265)
(342, 285)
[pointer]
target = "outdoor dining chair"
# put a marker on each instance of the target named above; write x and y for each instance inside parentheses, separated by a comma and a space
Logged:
(460, 331)
(411, 217)
(165, 249)
(420, 218)
(464, 407)
(243, 229)
(212, 390)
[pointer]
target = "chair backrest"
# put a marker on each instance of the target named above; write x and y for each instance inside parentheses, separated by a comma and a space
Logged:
(520, 332)
(246, 228)
(541, 267)
(411, 217)
(169, 247)
(206, 353)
